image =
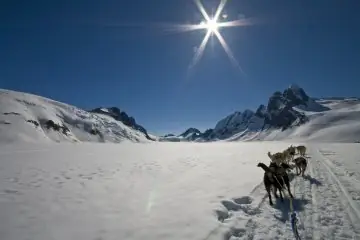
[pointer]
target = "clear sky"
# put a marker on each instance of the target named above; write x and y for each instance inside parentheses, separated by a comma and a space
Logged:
(111, 53)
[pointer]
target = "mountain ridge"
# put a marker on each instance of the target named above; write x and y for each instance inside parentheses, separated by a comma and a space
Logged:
(284, 110)
(27, 117)
(288, 115)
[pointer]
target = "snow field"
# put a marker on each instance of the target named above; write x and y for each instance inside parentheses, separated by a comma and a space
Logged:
(172, 191)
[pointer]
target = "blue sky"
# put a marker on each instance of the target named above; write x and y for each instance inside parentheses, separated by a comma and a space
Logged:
(109, 53)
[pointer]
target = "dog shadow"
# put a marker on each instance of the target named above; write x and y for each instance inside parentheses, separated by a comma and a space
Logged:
(312, 180)
(285, 209)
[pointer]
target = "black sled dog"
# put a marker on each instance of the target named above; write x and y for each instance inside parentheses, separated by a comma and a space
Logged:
(276, 178)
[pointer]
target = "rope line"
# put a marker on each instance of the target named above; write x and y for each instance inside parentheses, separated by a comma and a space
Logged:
(293, 217)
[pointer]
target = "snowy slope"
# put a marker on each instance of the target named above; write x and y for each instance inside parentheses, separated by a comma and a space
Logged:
(289, 115)
(25, 117)
(176, 191)
(339, 124)
(328, 120)
(307, 103)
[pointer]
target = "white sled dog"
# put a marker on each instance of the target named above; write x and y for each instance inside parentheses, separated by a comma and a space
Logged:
(278, 158)
(301, 150)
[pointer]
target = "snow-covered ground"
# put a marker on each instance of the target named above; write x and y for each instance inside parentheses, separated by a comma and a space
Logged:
(23, 118)
(172, 191)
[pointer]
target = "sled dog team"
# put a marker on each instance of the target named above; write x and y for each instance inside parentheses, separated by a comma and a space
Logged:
(276, 177)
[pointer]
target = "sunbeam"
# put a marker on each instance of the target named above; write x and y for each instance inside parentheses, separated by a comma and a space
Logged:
(212, 25)
(202, 10)
(200, 50)
(228, 51)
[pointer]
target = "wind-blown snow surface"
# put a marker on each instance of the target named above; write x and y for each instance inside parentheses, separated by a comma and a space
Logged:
(23, 117)
(172, 191)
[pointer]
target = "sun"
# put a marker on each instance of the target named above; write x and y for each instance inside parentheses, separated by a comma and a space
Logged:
(212, 25)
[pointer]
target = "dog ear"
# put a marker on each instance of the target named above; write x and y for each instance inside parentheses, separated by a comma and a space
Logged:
(260, 164)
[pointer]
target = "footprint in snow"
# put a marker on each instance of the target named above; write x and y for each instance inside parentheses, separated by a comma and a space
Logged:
(222, 215)
(242, 203)
(11, 191)
(235, 205)
(243, 200)
(230, 205)
(234, 232)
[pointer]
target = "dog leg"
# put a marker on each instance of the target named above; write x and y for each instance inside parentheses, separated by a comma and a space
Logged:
(268, 191)
(281, 196)
(288, 187)
(275, 192)
(303, 171)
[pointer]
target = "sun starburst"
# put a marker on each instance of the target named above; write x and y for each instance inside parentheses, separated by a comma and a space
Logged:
(213, 25)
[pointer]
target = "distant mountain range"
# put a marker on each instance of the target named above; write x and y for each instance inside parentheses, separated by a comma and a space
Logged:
(288, 115)
(285, 112)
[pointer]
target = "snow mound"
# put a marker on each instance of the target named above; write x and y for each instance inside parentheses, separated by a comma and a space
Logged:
(29, 118)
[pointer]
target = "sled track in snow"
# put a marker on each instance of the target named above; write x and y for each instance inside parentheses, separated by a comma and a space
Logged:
(339, 192)
(258, 218)
(324, 206)
(347, 197)
(316, 233)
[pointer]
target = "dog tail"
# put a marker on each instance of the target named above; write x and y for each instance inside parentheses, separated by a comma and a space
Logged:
(264, 167)
(269, 154)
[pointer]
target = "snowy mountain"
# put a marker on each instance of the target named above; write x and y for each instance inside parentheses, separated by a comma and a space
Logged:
(325, 120)
(122, 116)
(288, 115)
(31, 118)
(291, 114)
(190, 134)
